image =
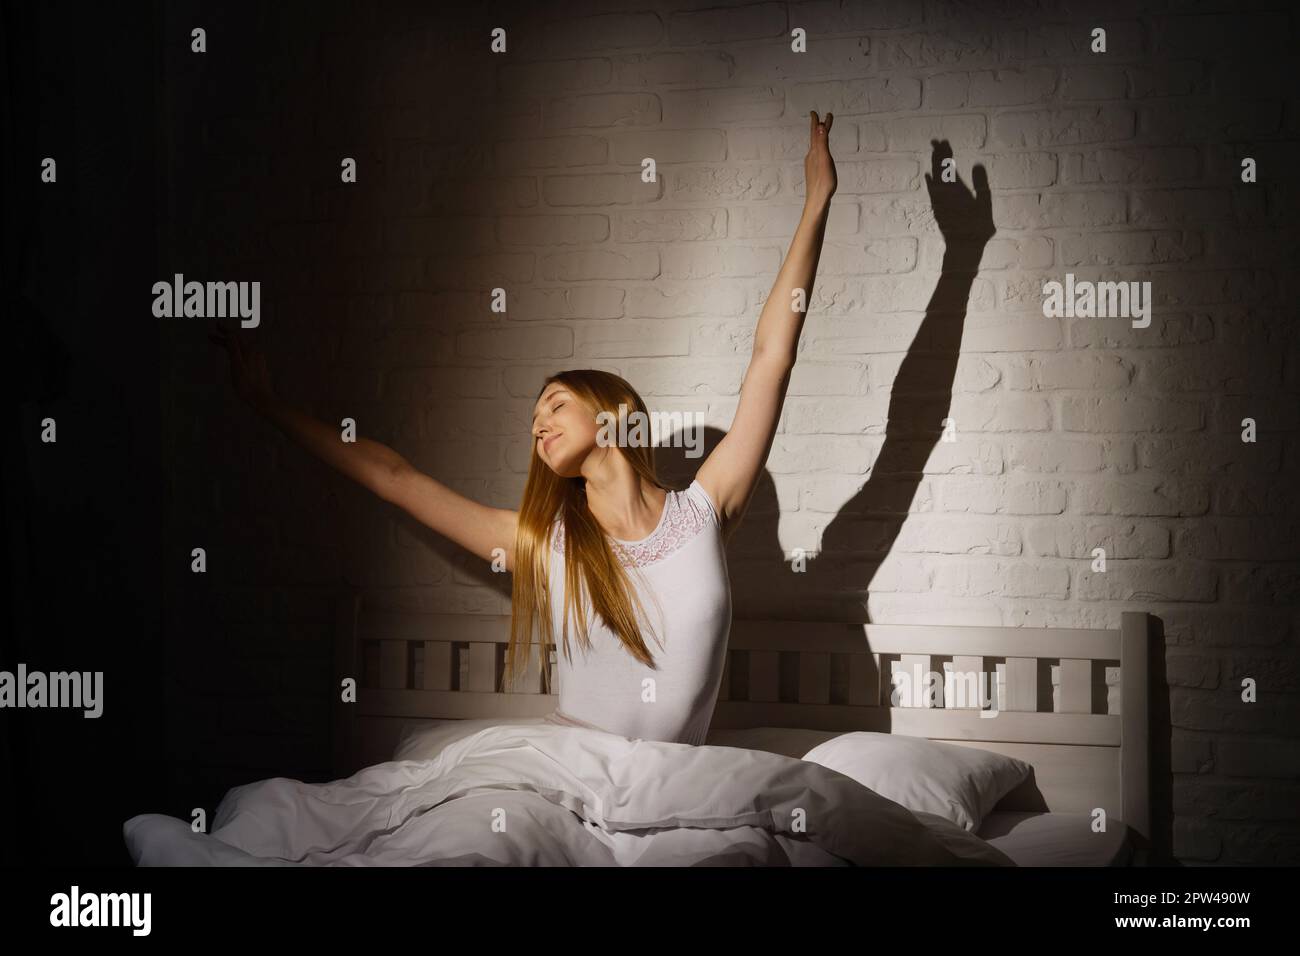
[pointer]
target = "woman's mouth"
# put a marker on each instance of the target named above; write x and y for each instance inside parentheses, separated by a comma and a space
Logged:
(546, 445)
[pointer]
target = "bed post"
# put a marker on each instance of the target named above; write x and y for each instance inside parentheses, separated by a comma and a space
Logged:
(344, 722)
(1135, 768)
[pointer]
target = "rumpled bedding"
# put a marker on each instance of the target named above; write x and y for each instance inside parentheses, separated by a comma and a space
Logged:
(549, 795)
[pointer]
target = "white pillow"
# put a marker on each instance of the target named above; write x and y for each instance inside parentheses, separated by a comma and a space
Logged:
(961, 784)
(426, 740)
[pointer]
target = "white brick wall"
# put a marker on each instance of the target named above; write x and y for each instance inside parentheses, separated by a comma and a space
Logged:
(522, 171)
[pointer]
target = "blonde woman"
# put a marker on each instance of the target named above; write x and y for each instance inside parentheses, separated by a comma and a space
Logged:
(600, 546)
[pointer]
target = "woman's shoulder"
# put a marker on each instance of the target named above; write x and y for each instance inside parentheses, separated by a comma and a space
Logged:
(696, 493)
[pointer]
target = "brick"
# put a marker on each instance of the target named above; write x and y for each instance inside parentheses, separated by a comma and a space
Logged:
(1223, 710)
(1154, 207)
(632, 339)
(1258, 584)
(707, 261)
(946, 535)
(1168, 78)
(1094, 83)
(1013, 497)
(552, 151)
(711, 67)
(861, 18)
(1048, 210)
(553, 230)
(1210, 34)
(668, 300)
(1226, 627)
(1220, 455)
(571, 302)
(1136, 165)
(1002, 578)
(1192, 122)
(724, 184)
(1236, 801)
(692, 108)
(1240, 539)
(1131, 248)
(1191, 754)
(914, 133)
(632, 262)
(1124, 39)
(516, 342)
(1053, 455)
(607, 31)
(723, 24)
(830, 56)
(521, 79)
(1128, 581)
(668, 225)
(1141, 495)
(1191, 670)
(1070, 370)
(600, 189)
(1125, 413)
(1028, 170)
(1220, 370)
(669, 147)
(1037, 128)
(963, 48)
(1077, 538)
(1274, 758)
(853, 96)
(1013, 87)
(603, 110)
(1163, 332)
(1196, 841)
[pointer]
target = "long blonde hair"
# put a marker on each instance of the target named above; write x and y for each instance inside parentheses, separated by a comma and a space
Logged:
(591, 566)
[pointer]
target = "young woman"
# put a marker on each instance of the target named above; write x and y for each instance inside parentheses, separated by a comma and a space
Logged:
(599, 540)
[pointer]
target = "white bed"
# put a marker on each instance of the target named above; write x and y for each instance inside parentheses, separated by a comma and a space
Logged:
(1070, 704)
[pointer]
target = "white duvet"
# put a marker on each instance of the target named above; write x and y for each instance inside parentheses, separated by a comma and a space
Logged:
(549, 795)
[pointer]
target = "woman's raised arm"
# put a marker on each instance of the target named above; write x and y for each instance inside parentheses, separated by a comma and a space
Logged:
(731, 471)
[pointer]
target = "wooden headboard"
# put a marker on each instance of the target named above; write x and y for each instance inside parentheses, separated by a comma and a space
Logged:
(1070, 702)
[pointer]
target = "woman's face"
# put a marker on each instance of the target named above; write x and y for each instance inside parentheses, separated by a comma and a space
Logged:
(564, 430)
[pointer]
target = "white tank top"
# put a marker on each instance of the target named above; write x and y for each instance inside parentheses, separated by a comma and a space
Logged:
(680, 574)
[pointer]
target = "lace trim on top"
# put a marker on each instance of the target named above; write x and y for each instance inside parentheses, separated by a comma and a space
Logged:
(677, 525)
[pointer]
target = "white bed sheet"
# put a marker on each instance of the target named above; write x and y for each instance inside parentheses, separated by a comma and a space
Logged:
(551, 795)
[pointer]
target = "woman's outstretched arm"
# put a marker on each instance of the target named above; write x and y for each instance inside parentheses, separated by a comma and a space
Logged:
(476, 527)
(731, 471)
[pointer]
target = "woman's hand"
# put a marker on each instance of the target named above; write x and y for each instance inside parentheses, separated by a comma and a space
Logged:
(818, 167)
(248, 372)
